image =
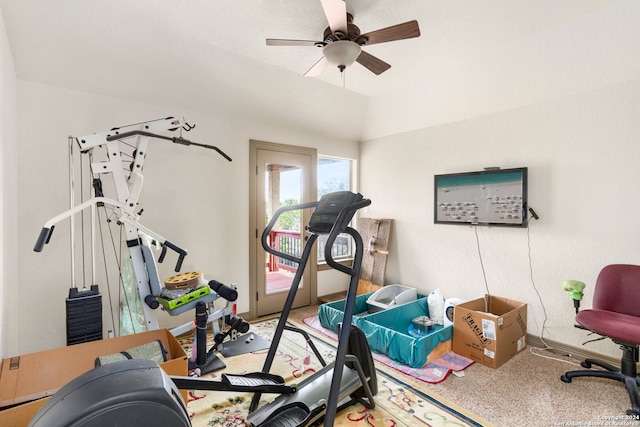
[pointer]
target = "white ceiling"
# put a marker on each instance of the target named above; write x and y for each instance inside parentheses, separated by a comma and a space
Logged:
(473, 56)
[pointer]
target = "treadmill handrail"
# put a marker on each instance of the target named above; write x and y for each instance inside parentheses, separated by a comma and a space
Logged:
(272, 223)
(338, 228)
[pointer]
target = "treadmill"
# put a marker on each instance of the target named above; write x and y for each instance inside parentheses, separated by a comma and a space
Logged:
(326, 391)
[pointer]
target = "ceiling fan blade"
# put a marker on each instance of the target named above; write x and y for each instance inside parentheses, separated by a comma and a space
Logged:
(375, 65)
(403, 31)
(317, 68)
(287, 42)
(336, 13)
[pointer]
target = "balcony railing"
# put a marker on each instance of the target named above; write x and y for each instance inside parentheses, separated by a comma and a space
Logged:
(341, 248)
(288, 242)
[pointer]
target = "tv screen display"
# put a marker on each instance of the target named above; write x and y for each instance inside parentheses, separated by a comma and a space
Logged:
(488, 197)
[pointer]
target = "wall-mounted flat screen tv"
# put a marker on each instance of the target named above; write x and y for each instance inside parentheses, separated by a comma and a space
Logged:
(489, 197)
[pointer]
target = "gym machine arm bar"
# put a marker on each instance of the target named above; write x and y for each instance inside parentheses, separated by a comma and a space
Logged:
(176, 140)
(47, 230)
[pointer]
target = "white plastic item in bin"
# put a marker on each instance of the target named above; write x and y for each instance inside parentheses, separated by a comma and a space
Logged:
(435, 302)
(390, 296)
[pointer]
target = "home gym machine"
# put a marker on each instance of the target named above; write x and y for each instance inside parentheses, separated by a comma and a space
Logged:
(98, 397)
(108, 156)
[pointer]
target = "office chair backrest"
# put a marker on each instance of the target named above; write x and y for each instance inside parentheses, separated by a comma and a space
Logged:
(618, 289)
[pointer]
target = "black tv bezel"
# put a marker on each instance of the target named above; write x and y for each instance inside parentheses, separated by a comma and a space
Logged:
(524, 219)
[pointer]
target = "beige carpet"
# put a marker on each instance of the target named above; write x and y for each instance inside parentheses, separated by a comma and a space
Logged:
(527, 391)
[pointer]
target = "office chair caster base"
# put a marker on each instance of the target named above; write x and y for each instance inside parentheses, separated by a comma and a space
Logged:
(588, 364)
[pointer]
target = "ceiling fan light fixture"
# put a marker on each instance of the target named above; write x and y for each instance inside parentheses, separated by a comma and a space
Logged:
(341, 53)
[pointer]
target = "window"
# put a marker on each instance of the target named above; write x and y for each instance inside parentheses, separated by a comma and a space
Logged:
(334, 174)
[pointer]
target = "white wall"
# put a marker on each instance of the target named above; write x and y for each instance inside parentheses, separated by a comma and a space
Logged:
(594, 49)
(582, 152)
(8, 213)
(192, 197)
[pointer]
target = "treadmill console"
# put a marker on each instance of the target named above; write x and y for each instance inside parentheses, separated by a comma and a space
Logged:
(329, 209)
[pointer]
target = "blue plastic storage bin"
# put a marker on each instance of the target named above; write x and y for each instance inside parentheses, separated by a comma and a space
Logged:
(331, 314)
(387, 331)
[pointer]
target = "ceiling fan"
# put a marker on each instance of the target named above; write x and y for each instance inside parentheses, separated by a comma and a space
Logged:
(342, 41)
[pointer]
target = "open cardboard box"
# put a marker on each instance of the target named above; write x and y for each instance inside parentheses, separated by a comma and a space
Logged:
(490, 330)
(27, 381)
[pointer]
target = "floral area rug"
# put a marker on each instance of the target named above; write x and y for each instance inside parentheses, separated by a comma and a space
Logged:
(436, 370)
(397, 404)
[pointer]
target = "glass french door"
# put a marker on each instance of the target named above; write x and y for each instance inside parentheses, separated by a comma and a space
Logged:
(282, 178)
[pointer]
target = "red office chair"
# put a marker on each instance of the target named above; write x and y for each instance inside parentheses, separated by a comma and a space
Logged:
(616, 315)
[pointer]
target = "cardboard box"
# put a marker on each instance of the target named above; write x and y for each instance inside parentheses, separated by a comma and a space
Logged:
(27, 381)
(490, 330)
